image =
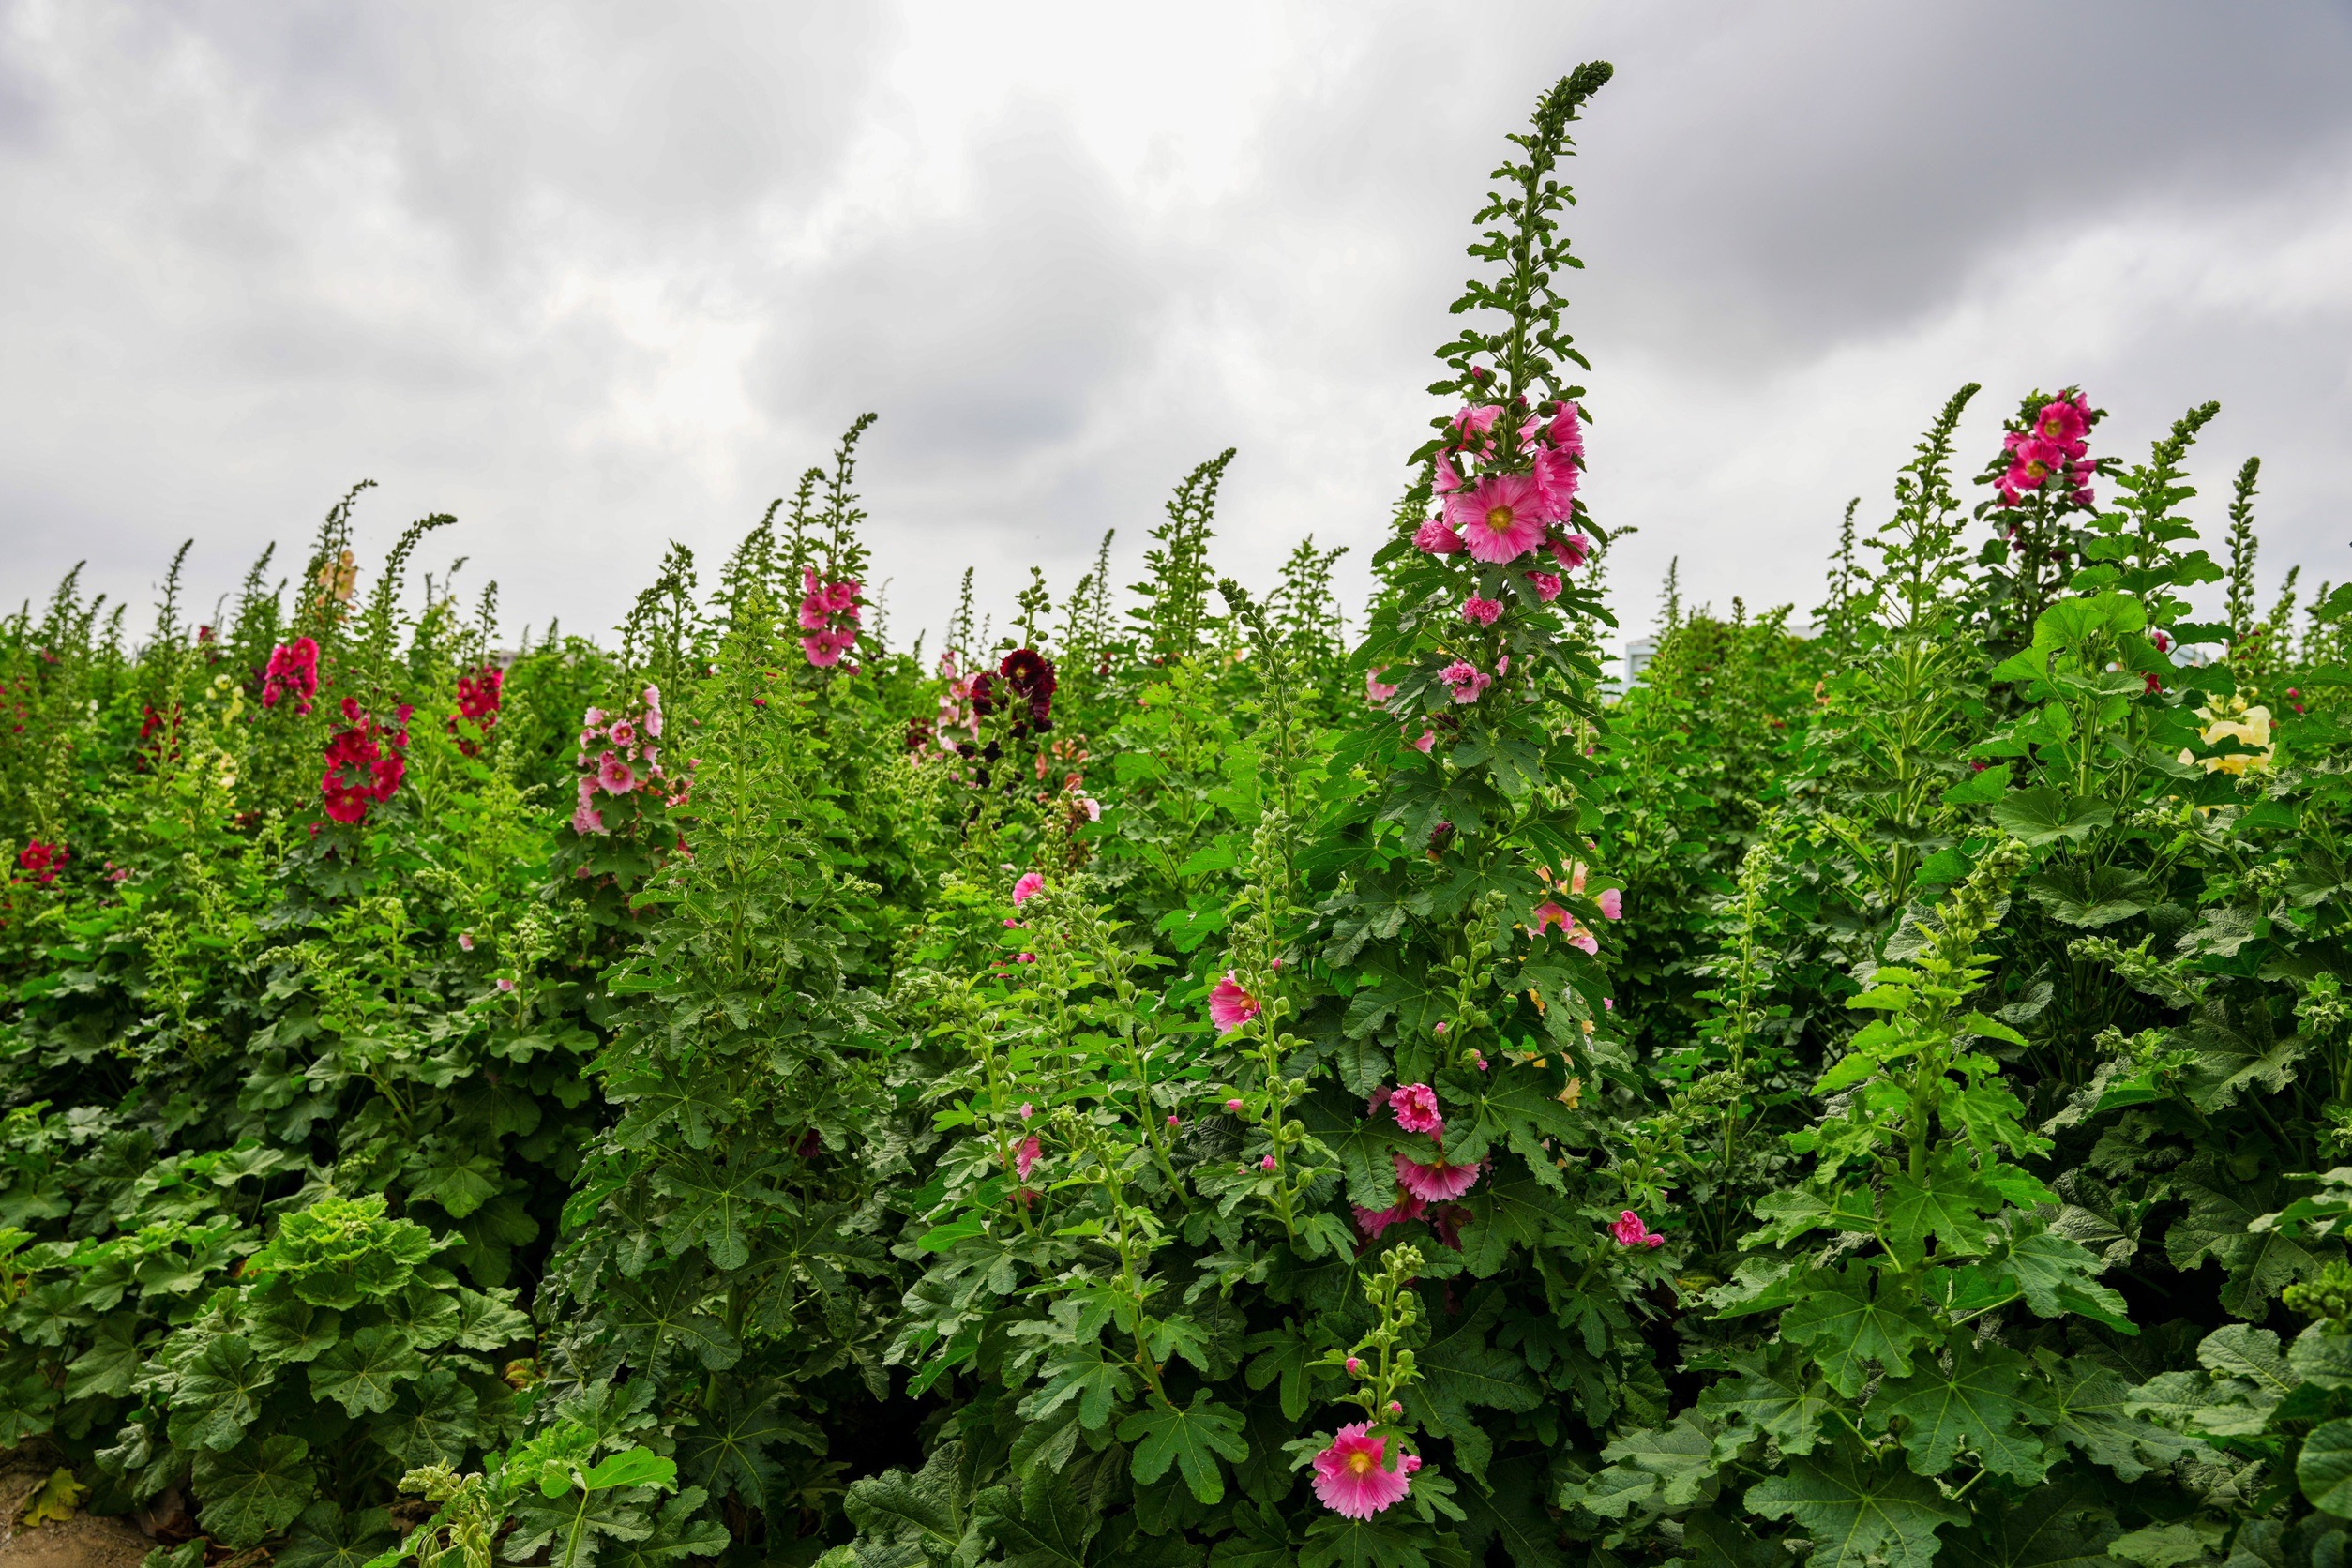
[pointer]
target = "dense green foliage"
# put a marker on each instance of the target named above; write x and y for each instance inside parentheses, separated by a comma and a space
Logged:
(1201, 1082)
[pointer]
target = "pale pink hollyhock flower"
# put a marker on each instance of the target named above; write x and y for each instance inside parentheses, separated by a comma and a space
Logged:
(1094, 807)
(1576, 877)
(587, 820)
(1428, 739)
(1612, 902)
(1415, 1107)
(1482, 1063)
(504, 984)
(1374, 690)
(1448, 478)
(1028, 1110)
(1477, 421)
(1610, 1003)
(593, 718)
(1585, 939)
(465, 940)
(1025, 1158)
(1571, 551)
(1351, 1478)
(1436, 1183)
(616, 777)
(1229, 1006)
(1355, 1366)
(1434, 538)
(653, 712)
(1468, 681)
(1498, 518)
(622, 732)
(1027, 888)
(1026, 959)
(1232, 1104)
(1374, 1221)
(1630, 1232)
(1483, 612)
(1547, 585)
(1548, 913)
(1266, 1163)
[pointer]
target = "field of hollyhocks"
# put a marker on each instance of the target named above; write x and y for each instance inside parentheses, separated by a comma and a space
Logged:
(1182, 1083)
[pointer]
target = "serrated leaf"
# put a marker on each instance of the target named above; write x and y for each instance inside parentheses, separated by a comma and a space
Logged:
(254, 1491)
(1191, 1438)
(328, 1537)
(2096, 1414)
(1856, 1514)
(1849, 1328)
(1081, 1373)
(1976, 1403)
(2053, 1526)
(364, 1373)
(1778, 1400)
(217, 1395)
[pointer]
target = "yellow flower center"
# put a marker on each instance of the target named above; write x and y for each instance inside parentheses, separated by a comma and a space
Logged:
(1497, 516)
(1360, 1463)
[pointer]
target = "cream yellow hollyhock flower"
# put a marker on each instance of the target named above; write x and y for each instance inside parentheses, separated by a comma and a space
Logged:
(2248, 727)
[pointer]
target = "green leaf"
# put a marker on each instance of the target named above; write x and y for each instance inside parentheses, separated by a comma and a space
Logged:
(255, 1491)
(364, 1373)
(1857, 1512)
(217, 1396)
(1058, 1513)
(328, 1537)
(2052, 1527)
(727, 1453)
(2040, 815)
(2090, 897)
(1666, 1466)
(683, 1528)
(1950, 1206)
(433, 1422)
(2059, 1278)
(1462, 1370)
(292, 1330)
(2324, 1470)
(636, 1466)
(1849, 1328)
(2095, 1414)
(922, 1516)
(1191, 1438)
(488, 1321)
(1977, 1404)
(110, 1365)
(1770, 1395)
(1981, 789)
(1080, 1372)
(2322, 1355)
(1512, 1512)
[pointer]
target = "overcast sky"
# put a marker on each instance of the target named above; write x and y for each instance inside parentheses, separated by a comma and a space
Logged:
(597, 277)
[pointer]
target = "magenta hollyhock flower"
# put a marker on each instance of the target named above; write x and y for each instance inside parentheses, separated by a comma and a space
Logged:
(1482, 612)
(842, 595)
(1548, 913)
(1567, 431)
(623, 733)
(1435, 1182)
(1570, 550)
(1027, 888)
(1555, 480)
(819, 649)
(812, 612)
(1351, 1478)
(1612, 902)
(2061, 421)
(1434, 538)
(1447, 478)
(1025, 1158)
(1415, 1107)
(1498, 518)
(1630, 1232)
(1374, 690)
(616, 776)
(1355, 1366)
(1477, 421)
(1266, 1162)
(1547, 585)
(1229, 1006)
(1373, 1221)
(1428, 738)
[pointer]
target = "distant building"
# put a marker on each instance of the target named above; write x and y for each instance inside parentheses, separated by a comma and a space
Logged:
(1638, 653)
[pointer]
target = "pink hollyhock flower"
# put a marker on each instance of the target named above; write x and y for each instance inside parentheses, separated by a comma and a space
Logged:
(1584, 940)
(1609, 1003)
(587, 820)
(1351, 1478)
(1436, 1183)
(653, 712)
(504, 984)
(842, 595)
(465, 940)
(1355, 1366)
(1026, 1157)
(1027, 888)
(623, 733)
(1498, 518)
(1483, 612)
(1434, 538)
(1428, 739)
(812, 612)
(1174, 1120)
(1555, 480)
(1477, 421)
(1266, 1162)
(1547, 585)
(1548, 913)
(1630, 1232)
(1028, 1110)
(1229, 1006)
(1468, 681)
(1570, 550)
(2061, 422)
(1396, 1409)
(1374, 1221)
(617, 777)
(1232, 1104)
(593, 718)
(1415, 1107)
(1374, 690)
(1567, 431)
(1612, 902)
(1448, 478)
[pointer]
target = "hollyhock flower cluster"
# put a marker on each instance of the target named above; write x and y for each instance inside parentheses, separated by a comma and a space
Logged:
(292, 671)
(624, 747)
(1352, 1478)
(1468, 681)
(1229, 1005)
(828, 619)
(1630, 1232)
(2053, 447)
(41, 861)
(2242, 726)
(1482, 612)
(1024, 679)
(363, 764)
(1501, 501)
(1418, 1185)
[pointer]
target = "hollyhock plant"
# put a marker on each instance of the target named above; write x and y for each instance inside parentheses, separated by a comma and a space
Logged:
(1229, 1006)
(292, 671)
(615, 777)
(1437, 1181)
(1352, 1476)
(829, 616)
(1500, 518)
(1415, 1107)
(1630, 1232)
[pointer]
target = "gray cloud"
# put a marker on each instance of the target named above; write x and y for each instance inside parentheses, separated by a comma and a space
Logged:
(594, 277)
